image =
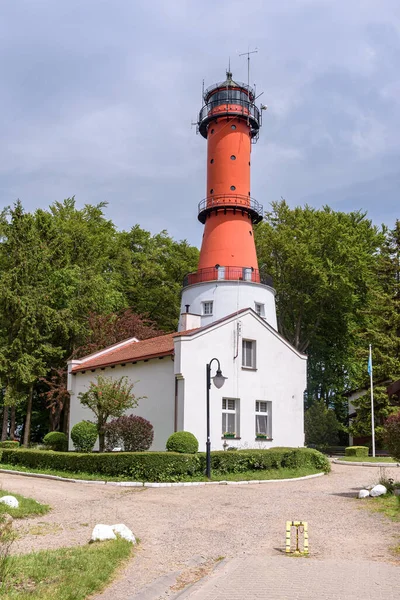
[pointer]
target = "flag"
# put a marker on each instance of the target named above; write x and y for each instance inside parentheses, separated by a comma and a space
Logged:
(370, 361)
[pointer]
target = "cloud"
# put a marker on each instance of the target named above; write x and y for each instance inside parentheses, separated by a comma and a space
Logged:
(98, 100)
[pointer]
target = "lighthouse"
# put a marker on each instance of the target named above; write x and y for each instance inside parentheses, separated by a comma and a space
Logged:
(228, 277)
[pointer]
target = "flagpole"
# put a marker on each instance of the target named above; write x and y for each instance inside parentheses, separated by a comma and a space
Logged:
(372, 400)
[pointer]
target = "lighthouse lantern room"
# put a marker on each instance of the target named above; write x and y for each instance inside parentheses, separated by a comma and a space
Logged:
(228, 277)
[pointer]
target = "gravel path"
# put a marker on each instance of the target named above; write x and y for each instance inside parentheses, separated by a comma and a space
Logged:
(187, 529)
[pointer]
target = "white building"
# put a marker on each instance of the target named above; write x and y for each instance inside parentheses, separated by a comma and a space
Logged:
(263, 393)
(228, 313)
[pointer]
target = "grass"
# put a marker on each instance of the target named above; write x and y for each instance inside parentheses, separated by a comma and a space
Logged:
(28, 507)
(250, 475)
(386, 459)
(245, 476)
(64, 574)
(388, 504)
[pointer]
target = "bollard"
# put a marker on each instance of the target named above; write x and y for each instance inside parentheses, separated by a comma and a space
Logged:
(301, 528)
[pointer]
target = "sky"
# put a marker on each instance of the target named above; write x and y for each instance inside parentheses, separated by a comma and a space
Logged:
(98, 100)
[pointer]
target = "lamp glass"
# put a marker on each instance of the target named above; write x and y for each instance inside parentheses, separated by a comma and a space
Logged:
(219, 379)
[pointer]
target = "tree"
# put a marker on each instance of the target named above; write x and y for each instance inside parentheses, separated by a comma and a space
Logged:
(392, 435)
(321, 425)
(28, 325)
(106, 398)
(382, 330)
(152, 269)
(322, 263)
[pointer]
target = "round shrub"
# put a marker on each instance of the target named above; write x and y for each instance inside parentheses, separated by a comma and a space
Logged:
(9, 444)
(392, 435)
(84, 436)
(133, 434)
(56, 440)
(183, 441)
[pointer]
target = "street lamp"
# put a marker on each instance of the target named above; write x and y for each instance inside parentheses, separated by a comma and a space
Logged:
(218, 381)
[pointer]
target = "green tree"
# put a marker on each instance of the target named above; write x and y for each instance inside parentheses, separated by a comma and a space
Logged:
(106, 398)
(322, 263)
(321, 425)
(152, 269)
(382, 330)
(27, 323)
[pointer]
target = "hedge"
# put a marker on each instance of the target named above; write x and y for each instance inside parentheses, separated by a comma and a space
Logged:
(356, 451)
(166, 466)
(9, 444)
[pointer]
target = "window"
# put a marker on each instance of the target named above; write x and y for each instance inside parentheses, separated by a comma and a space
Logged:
(212, 191)
(233, 157)
(233, 126)
(212, 130)
(208, 308)
(247, 273)
(233, 188)
(263, 419)
(230, 416)
(212, 161)
(260, 309)
(249, 354)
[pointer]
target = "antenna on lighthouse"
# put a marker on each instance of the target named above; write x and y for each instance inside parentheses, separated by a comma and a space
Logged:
(248, 62)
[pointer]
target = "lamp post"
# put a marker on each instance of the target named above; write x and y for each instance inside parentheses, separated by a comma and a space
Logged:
(219, 381)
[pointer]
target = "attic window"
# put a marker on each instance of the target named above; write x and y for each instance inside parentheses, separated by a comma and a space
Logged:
(208, 307)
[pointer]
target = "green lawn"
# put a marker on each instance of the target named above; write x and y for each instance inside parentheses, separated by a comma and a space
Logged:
(27, 506)
(389, 505)
(64, 574)
(245, 476)
(382, 459)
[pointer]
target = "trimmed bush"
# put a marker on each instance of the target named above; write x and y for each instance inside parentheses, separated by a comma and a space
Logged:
(167, 466)
(9, 444)
(182, 441)
(392, 435)
(356, 451)
(84, 436)
(138, 466)
(56, 440)
(133, 433)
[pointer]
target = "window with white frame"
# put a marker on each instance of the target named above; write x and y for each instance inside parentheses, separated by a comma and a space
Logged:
(260, 309)
(249, 354)
(263, 419)
(230, 416)
(208, 307)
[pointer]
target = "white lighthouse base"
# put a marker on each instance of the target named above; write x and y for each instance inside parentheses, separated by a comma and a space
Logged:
(227, 297)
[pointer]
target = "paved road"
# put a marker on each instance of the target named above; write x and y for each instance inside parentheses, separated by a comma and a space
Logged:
(184, 531)
(259, 577)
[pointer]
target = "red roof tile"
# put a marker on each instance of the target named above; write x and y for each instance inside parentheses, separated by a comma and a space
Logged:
(162, 345)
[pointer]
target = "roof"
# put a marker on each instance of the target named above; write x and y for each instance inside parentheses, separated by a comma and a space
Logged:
(133, 350)
(394, 388)
(162, 345)
(157, 347)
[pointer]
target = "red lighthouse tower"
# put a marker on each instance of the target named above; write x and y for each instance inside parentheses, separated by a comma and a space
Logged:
(230, 122)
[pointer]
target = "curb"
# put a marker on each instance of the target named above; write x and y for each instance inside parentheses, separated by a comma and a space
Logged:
(365, 464)
(156, 485)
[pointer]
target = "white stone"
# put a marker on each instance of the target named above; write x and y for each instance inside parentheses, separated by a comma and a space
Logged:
(378, 490)
(363, 493)
(117, 449)
(101, 533)
(124, 531)
(9, 501)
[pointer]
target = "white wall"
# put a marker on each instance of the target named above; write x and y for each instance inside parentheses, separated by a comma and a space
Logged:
(153, 379)
(228, 297)
(280, 378)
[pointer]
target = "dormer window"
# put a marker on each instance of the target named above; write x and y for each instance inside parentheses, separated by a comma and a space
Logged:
(260, 309)
(208, 308)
